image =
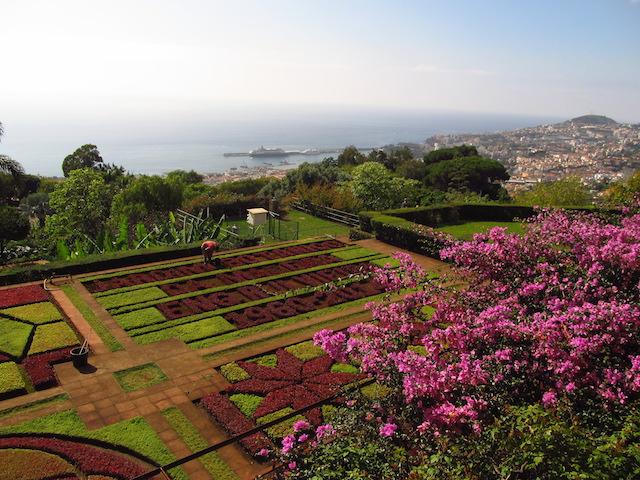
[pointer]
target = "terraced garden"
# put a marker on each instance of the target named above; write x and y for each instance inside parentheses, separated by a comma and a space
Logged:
(159, 389)
(34, 335)
(251, 291)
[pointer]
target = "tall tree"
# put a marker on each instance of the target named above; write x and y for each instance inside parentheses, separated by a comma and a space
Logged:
(87, 156)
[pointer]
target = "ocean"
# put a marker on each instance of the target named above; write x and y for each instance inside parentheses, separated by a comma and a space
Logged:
(156, 145)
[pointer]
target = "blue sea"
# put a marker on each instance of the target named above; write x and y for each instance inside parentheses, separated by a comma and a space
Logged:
(157, 144)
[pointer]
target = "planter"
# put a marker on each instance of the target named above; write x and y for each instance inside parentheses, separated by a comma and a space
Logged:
(79, 356)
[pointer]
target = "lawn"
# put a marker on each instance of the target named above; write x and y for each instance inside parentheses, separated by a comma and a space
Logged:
(465, 231)
(139, 377)
(307, 226)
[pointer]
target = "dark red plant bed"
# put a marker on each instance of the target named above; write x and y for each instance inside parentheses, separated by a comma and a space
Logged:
(89, 459)
(166, 273)
(292, 383)
(39, 367)
(13, 297)
(290, 307)
(213, 301)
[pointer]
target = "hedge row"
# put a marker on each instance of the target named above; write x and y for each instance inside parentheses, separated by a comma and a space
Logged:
(412, 228)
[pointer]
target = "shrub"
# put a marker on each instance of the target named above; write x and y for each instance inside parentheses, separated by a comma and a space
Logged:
(11, 297)
(357, 234)
(283, 428)
(189, 332)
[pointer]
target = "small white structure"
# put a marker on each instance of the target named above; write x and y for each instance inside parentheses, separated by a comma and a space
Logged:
(257, 216)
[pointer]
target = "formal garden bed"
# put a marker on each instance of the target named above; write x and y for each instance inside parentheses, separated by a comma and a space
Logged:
(204, 305)
(272, 385)
(60, 446)
(34, 335)
(139, 377)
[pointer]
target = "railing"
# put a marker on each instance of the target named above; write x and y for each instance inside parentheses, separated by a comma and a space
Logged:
(333, 214)
(163, 470)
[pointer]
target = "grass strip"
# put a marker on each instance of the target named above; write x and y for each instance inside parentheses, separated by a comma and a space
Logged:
(212, 273)
(152, 303)
(103, 332)
(127, 298)
(28, 407)
(189, 434)
(190, 332)
(197, 260)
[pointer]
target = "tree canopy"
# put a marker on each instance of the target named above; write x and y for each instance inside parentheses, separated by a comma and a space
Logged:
(378, 189)
(87, 156)
(566, 192)
(13, 226)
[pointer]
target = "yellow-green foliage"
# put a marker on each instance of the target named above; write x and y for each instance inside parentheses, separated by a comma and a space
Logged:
(353, 253)
(189, 332)
(270, 360)
(246, 403)
(233, 372)
(140, 318)
(305, 351)
(281, 429)
(344, 368)
(37, 313)
(129, 298)
(51, 337)
(11, 378)
(13, 337)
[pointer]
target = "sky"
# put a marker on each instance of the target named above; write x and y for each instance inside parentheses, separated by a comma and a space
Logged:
(72, 60)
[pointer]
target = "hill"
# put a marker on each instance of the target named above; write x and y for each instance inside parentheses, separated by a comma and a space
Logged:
(592, 120)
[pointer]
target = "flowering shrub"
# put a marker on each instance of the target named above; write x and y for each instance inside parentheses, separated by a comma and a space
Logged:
(549, 318)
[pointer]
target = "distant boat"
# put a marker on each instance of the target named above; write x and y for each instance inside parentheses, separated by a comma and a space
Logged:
(285, 162)
(267, 152)
(267, 164)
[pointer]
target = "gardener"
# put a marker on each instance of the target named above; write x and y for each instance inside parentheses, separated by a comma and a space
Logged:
(208, 247)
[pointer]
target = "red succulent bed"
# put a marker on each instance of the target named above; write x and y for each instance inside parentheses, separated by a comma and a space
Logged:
(292, 383)
(88, 459)
(169, 272)
(229, 298)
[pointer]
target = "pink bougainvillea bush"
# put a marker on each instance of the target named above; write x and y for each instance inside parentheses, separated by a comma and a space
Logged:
(547, 321)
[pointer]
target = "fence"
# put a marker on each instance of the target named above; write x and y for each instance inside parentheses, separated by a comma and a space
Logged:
(280, 230)
(162, 471)
(333, 214)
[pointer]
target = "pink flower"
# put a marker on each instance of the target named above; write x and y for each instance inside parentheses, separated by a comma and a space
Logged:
(300, 425)
(549, 399)
(292, 465)
(303, 438)
(388, 429)
(324, 430)
(263, 452)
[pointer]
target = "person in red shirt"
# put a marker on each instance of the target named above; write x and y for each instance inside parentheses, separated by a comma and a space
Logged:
(208, 247)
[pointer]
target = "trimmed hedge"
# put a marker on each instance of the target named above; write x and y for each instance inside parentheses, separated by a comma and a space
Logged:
(129, 298)
(247, 403)
(305, 351)
(189, 332)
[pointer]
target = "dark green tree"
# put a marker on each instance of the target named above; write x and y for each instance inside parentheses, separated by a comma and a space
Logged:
(444, 154)
(87, 156)
(185, 177)
(13, 226)
(475, 174)
(351, 156)
(147, 195)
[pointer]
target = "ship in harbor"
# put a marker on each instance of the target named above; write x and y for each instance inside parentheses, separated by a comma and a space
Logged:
(268, 152)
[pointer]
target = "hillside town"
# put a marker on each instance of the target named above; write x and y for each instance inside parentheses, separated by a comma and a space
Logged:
(593, 147)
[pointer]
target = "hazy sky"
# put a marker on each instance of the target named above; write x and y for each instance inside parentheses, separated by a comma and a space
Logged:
(136, 57)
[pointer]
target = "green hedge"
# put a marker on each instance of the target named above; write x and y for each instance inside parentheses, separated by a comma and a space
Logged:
(408, 235)
(52, 336)
(36, 313)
